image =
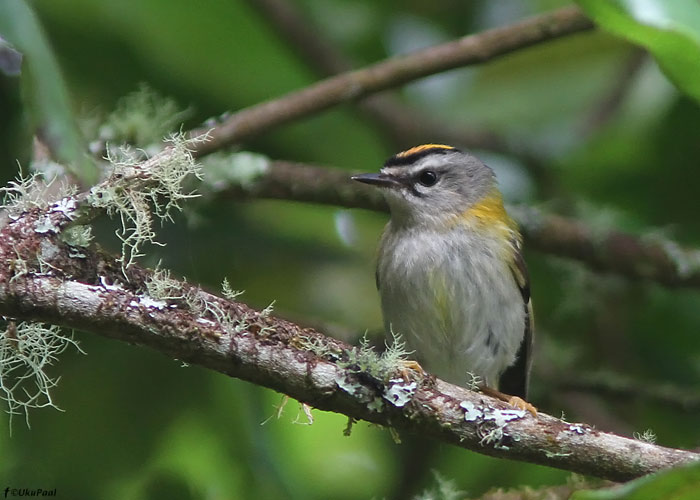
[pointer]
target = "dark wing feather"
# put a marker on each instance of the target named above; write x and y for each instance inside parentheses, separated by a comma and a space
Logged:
(514, 380)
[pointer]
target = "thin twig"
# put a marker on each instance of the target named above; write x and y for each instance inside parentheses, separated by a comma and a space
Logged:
(404, 125)
(614, 98)
(393, 72)
(620, 387)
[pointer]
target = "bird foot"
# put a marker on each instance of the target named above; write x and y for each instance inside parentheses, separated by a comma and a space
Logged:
(521, 404)
(409, 364)
(514, 401)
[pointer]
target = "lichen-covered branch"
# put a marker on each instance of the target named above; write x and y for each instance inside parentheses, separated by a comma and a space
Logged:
(48, 274)
(393, 72)
(92, 292)
(653, 259)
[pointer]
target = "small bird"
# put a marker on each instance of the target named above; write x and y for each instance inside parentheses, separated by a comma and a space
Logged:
(450, 272)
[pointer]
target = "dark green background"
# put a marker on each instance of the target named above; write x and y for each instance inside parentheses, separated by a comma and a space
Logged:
(138, 425)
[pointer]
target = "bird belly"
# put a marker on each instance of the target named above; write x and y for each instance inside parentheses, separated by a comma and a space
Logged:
(452, 298)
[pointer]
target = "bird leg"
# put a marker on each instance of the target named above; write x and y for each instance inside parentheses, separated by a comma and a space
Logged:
(514, 401)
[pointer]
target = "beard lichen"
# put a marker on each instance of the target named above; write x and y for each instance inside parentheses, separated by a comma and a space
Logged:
(139, 192)
(26, 351)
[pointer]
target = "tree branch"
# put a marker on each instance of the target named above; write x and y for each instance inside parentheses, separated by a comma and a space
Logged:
(404, 125)
(231, 338)
(662, 261)
(478, 48)
(45, 278)
(617, 386)
(612, 100)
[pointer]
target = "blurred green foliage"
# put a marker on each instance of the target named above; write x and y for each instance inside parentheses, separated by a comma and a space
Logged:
(50, 112)
(677, 484)
(138, 425)
(668, 29)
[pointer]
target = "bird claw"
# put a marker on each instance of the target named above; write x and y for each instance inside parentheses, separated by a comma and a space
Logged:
(409, 364)
(521, 404)
(514, 401)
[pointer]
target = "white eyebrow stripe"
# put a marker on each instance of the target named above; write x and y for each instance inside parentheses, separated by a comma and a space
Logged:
(409, 170)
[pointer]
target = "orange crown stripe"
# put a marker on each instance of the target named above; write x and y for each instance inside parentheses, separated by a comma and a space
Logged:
(423, 147)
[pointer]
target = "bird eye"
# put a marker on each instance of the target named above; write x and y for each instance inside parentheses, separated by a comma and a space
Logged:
(427, 178)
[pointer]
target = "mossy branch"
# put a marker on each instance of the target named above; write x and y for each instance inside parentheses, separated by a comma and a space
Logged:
(44, 227)
(94, 293)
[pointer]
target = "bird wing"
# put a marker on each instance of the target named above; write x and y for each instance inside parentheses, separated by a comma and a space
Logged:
(514, 380)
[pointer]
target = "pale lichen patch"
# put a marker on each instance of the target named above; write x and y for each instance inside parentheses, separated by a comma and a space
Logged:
(398, 392)
(352, 385)
(578, 429)
(77, 236)
(491, 422)
(116, 287)
(471, 411)
(66, 206)
(150, 302)
(45, 224)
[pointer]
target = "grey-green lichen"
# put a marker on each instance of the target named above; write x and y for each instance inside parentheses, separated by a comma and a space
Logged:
(318, 346)
(557, 454)
(161, 286)
(241, 169)
(139, 192)
(647, 436)
(363, 361)
(228, 292)
(204, 308)
(364, 358)
(26, 351)
(27, 192)
(77, 236)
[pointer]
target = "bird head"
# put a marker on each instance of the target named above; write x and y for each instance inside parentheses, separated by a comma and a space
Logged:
(434, 184)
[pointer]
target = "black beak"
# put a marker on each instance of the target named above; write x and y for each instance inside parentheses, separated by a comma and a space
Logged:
(380, 180)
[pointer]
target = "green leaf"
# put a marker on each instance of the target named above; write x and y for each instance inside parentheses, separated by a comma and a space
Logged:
(680, 483)
(46, 95)
(669, 29)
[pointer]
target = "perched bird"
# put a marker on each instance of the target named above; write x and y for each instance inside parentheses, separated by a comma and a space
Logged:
(450, 271)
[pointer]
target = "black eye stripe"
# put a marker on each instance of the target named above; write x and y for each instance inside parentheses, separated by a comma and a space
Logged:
(415, 192)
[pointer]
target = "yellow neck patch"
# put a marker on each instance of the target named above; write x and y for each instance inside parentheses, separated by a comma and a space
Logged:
(489, 213)
(420, 148)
